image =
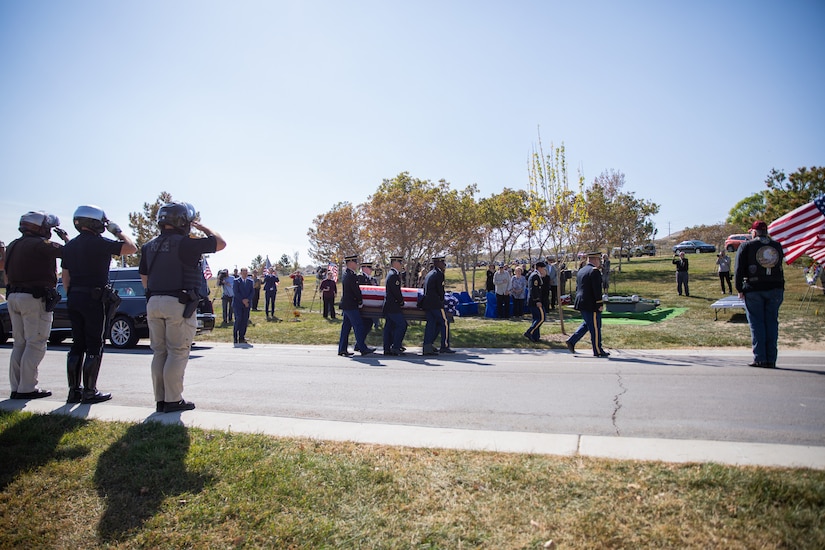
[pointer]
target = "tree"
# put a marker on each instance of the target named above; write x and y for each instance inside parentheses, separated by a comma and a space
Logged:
(788, 193)
(336, 234)
(750, 208)
(284, 264)
(505, 218)
(402, 217)
(462, 228)
(257, 263)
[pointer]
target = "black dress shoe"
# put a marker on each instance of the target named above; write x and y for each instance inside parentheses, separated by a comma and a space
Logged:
(605, 353)
(175, 406)
(601, 355)
(74, 396)
(571, 346)
(757, 364)
(366, 351)
(159, 406)
(446, 350)
(13, 395)
(346, 354)
(390, 352)
(36, 394)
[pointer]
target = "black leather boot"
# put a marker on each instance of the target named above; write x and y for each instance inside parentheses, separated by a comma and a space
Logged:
(91, 368)
(74, 367)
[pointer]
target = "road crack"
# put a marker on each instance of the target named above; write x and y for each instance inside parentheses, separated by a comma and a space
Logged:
(617, 402)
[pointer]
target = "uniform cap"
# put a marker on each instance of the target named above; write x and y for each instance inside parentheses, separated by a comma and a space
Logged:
(439, 258)
(396, 258)
(366, 264)
(353, 258)
(541, 264)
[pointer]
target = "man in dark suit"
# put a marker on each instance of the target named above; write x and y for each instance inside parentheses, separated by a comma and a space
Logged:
(433, 304)
(535, 300)
(395, 326)
(351, 302)
(589, 303)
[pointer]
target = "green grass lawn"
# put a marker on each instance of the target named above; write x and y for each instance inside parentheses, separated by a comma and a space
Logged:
(67, 482)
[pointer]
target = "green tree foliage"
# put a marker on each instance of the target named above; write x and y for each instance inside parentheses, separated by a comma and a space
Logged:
(788, 193)
(257, 263)
(505, 219)
(144, 224)
(463, 228)
(336, 234)
(782, 194)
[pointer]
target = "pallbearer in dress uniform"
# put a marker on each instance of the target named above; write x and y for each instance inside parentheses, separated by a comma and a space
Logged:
(395, 326)
(365, 278)
(351, 303)
(433, 305)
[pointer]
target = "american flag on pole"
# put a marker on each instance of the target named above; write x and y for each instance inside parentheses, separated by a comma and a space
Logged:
(268, 264)
(333, 268)
(798, 231)
(207, 273)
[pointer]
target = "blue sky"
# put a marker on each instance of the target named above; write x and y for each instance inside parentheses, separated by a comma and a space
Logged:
(265, 114)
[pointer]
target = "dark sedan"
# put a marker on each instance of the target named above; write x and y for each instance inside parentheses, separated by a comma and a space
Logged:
(694, 246)
(129, 323)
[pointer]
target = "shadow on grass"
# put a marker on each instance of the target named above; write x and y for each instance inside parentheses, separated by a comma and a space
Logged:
(32, 441)
(139, 472)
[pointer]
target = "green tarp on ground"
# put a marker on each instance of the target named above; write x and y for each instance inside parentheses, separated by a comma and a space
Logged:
(646, 318)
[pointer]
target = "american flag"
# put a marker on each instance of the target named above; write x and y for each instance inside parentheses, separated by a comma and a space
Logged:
(798, 231)
(268, 264)
(207, 273)
(333, 268)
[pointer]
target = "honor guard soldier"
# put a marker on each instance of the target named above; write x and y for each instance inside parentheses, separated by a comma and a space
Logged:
(433, 305)
(395, 326)
(365, 278)
(170, 273)
(351, 303)
(86, 260)
(589, 303)
(760, 282)
(535, 300)
(31, 295)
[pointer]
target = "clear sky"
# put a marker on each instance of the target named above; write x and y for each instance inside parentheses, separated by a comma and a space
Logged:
(264, 114)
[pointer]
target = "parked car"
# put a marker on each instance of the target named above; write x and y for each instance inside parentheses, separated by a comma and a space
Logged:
(620, 252)
(733, 241)
(694, 246)
(129, 323)
(645, 250)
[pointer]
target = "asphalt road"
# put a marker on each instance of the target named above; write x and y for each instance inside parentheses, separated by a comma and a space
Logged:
(705, 394)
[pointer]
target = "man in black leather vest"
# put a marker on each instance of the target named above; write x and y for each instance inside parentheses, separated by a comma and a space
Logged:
(760, 282)
(169, 269)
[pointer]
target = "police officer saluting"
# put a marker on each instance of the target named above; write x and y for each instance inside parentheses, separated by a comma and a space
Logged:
(86, 260)
(32, 278)
(170, 273)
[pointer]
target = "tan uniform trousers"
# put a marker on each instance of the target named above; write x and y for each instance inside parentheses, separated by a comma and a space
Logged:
(170, 337)
(30, 328)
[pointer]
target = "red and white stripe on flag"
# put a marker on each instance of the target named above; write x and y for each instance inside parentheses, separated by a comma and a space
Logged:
(207, 273)
(798, 231)
(334, 269)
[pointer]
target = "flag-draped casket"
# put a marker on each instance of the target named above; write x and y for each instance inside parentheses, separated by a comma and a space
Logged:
(373, 297)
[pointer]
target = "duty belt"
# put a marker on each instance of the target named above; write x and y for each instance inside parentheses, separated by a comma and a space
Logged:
(21, 289)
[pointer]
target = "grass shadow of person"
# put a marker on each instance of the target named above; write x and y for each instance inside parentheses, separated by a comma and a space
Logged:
(140, 471)
(28, 441)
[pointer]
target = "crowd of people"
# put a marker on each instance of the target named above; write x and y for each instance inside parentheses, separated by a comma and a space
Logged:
(171, 272)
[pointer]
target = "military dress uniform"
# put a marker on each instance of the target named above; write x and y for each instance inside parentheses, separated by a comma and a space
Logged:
(367, 279)
(395, 327)
(31, 271)
(589, 303)
(351, 302)
(433, 305)
(535, 301)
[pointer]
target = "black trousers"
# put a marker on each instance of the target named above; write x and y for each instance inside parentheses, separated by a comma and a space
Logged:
(88, 318)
